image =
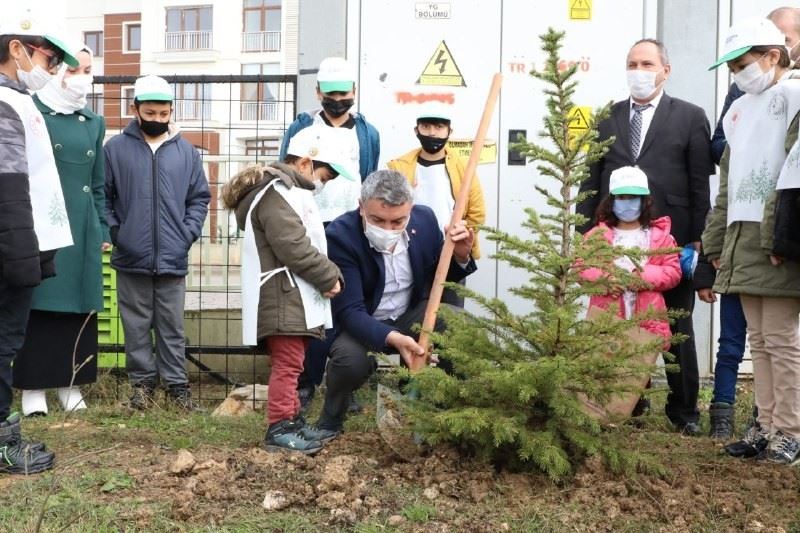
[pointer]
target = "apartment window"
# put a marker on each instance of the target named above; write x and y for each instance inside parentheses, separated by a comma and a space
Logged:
(133, 37)
(126, 101)
(94, 40)
(260, 100)
(192, 101)
(268, 147)
(189, 28)
(262, 26)
(95, 102)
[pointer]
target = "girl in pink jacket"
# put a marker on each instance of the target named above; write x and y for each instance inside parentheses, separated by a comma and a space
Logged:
(624, 218)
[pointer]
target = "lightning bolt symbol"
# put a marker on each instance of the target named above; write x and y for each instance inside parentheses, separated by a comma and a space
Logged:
(440, 61)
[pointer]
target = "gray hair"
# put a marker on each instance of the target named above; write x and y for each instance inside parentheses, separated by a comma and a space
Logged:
(662, 50)
(388, 186)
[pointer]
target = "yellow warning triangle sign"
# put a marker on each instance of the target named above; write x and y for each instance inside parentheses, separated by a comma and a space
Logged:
(441, 69)
(580, 9)
(578, 117)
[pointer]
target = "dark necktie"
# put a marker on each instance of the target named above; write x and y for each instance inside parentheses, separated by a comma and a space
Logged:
(636, 129)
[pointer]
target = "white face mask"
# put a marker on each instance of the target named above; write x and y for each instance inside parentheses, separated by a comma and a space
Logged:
(69, 99)
(78, 86)
(642, 83)
(37, 78)
(383, 240)
(751, 79)
(318, 186)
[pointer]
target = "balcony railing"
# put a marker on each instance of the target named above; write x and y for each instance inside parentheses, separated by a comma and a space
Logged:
(261, 41)
(188, 40)
(192, 110)
(259, 110)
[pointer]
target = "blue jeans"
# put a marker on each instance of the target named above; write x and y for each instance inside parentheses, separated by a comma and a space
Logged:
(732, 335)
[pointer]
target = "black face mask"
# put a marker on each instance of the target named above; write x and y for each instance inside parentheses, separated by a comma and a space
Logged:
(336, 108)
(430, 144)
(153, 128)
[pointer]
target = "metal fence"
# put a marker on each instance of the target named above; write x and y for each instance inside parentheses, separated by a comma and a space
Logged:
(223, 117)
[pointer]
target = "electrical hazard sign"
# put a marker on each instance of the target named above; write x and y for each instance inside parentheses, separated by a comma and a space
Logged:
(580, 9)
(579, 117)
(441, 69)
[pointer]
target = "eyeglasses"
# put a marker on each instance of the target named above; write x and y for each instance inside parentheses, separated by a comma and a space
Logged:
(54, 58)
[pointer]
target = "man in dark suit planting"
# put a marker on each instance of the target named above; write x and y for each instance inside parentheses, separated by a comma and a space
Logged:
(387, 251)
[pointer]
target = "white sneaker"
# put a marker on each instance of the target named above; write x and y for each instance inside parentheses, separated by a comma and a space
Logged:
(71, 398)
(34, 403)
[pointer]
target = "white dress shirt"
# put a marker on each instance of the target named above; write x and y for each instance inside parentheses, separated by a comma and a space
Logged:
(398, 282)
(647, 114)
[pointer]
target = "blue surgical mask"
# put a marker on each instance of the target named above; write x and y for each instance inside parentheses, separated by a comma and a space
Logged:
(627, 210)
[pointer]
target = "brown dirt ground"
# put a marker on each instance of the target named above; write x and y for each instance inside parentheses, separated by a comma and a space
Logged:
(358, 478)
(357, 483)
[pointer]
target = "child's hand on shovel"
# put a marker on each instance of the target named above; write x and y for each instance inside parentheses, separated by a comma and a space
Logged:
(406, 346)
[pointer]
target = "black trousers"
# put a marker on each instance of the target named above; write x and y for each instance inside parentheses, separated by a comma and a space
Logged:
(15, 306)
(314, 363)
(45, 360)
(684, 385)
(349, 366)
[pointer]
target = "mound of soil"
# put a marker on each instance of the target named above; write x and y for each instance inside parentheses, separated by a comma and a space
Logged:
(357, 477)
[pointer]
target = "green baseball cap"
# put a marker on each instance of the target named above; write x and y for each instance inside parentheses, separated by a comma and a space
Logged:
(628, 180)
(434, 110)
(69, 55)
(152, 88)
(326, 145)
(336, 74)
(25, 20)
(744, 35)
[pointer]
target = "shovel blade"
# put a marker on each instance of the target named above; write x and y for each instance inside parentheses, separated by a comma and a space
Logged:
(392, 425)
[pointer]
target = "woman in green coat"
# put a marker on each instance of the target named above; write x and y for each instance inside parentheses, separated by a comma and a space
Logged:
(65, 307)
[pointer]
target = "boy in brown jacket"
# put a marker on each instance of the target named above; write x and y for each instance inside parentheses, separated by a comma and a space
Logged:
(287, 279)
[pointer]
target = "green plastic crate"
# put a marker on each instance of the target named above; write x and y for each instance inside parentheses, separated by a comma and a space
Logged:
(109, 325)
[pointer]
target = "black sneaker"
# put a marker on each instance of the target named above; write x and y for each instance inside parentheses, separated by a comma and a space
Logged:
(321, 434)
(721, 416)
(761, 457)
(18, 456)
(690, 429)
(783, 449)
(142, 397)
(181, 396)
(13, 422)
(754, 441)
(286, 436)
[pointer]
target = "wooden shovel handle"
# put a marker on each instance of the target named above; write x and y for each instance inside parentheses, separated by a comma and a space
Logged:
(458, 213)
